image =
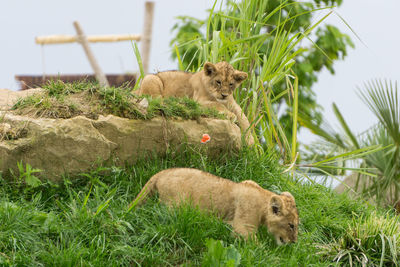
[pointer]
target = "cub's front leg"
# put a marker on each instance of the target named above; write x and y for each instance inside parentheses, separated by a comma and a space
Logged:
(242, 119)
(245, 223)
(221, 109)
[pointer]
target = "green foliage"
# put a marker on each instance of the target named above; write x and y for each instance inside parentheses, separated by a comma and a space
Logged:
(371, 240)
(253, 36)
(119, 102)
(27, 176)
(181, 107)
(219, 255)
(383, 98)
(58, 88)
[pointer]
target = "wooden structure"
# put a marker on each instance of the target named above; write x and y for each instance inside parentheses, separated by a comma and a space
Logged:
(62, 39)
(34, 81)
(84, 40)
(147, 30)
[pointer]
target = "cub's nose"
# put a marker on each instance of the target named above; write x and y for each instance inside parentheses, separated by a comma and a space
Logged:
(224, 95)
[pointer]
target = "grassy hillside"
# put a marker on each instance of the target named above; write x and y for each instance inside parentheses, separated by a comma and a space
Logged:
(84, 222)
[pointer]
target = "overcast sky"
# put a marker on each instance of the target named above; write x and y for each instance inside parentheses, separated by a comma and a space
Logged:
(376, 22)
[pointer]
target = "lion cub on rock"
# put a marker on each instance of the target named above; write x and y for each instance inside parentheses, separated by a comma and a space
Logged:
(244, 205)
(211, 87)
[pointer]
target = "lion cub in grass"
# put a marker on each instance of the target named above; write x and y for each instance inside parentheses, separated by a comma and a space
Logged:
(211, 87)
(244, 205)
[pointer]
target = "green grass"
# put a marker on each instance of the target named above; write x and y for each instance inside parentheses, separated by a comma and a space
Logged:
(84, 221)
(374, 238)
(66, 100)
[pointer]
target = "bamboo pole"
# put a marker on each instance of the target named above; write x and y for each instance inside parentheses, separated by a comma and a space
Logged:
(146, 37)
(95, 66)
(61, 39)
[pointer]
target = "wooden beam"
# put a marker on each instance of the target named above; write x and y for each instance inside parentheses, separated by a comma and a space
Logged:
(146, 38)
(62, 39)
(95, 66)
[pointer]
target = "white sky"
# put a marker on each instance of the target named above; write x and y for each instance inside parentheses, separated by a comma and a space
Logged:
(376, 22)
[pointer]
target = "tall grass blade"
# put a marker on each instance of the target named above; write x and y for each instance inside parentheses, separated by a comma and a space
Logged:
(179, 58)
(295, 113)
(87, 196)
(351, 28)
(140, 63)
(103, 206)
(345, 126)
(358, 153)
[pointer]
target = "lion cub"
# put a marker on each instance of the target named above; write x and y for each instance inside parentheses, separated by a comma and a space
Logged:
(244, 205)
(212, 87)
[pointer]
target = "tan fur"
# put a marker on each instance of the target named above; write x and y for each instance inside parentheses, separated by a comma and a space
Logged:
(211, 87)
(397, 207)
(244, 205)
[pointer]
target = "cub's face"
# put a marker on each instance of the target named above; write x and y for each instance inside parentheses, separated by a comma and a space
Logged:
(282, 218)
(222, 79)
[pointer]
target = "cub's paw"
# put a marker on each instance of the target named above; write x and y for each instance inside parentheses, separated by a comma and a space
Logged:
(230, 116)
(250, 139)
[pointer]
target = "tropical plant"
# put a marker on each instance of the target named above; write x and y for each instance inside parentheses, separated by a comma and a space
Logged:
(381, 182)
(254, 35)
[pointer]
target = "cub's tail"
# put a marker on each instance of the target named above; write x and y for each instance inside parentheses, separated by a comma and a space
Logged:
(148, 190)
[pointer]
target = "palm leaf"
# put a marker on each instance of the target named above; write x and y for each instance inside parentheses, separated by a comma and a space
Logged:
(382, 99)
(344, 125)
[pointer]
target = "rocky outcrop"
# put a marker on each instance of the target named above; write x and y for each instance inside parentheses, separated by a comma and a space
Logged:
(78, 144)
(75, 145)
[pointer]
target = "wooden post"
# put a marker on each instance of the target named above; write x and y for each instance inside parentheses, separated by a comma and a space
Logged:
(146, 36)
(95, 66)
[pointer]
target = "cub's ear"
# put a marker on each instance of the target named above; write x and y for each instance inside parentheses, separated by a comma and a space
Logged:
(276, 205)
(239, 76)
(250, 182)
(287, 194)
(209, 69)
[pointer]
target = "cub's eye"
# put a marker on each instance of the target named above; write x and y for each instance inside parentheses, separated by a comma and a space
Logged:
(218, 83)
(291, 225)
(231, 84)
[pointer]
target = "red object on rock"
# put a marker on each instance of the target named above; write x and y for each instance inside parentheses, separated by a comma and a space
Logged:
(205, 138)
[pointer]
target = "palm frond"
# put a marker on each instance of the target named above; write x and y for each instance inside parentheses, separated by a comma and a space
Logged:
(382, 99)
